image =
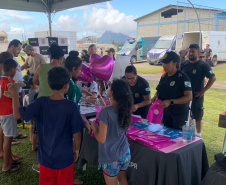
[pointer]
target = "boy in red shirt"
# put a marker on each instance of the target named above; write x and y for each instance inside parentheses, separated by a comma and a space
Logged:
(7, 121)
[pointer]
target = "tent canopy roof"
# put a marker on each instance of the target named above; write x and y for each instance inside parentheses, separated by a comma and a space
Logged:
(46, 6)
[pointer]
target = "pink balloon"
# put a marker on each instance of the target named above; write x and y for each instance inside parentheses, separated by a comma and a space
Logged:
(94, 57)
(85, 74)
(103, 68)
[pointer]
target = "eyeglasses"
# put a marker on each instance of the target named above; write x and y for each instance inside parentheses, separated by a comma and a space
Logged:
(202, 57)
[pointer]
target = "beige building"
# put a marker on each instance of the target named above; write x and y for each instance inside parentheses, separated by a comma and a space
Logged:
(173, 19)
(3, 37)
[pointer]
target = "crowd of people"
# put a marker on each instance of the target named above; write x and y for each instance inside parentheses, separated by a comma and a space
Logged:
(52, 106)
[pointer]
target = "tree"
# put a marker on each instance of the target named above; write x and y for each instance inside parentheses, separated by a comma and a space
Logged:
(113, 42)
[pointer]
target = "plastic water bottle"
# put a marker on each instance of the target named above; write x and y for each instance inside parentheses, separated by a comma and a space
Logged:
(187, 133)
(193, 127)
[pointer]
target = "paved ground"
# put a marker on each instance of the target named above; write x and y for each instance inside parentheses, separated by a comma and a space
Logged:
(156, 77)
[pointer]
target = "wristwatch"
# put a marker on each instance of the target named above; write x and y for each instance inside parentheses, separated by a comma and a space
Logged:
(171, 102)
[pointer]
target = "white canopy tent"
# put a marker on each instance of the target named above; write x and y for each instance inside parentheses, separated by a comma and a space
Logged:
(45, 6)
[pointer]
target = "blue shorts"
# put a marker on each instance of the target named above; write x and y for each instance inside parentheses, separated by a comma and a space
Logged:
(112, 169)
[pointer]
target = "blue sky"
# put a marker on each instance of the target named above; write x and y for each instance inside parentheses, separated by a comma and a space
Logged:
(116, 16)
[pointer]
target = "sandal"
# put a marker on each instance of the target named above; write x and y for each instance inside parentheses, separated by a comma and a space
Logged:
(17, 158)
(16, 162)
(20, 136)
(77, 182)
(14, 142)
(12, 169)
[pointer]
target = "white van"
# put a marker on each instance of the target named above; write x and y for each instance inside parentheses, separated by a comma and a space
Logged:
(137, 49)
(216, 40)
(164, 44)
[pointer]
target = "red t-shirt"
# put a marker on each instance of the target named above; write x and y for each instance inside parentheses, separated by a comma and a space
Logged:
(6, 107)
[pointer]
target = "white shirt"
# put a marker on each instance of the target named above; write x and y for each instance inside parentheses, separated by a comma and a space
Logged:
(92, 88)
(18, 76)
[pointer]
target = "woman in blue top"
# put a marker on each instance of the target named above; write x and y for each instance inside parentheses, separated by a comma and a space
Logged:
(114, 152)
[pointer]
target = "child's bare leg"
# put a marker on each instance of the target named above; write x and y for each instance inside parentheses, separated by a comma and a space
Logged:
(34, 141)
(31, 132)
(122, 178)
(7, 161)
(1, 142)
(110, 180)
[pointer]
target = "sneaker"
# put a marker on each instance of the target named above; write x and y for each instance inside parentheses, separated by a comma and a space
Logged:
(35, 168)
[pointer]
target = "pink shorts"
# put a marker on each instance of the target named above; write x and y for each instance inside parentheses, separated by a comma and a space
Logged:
(56, 177)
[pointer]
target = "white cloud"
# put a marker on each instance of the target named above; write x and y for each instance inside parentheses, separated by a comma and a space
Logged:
(67, 23)
(100, 20)
(13, 13)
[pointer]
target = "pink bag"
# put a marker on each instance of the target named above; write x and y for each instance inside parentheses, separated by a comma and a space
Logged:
(155, 113)
(92, 134)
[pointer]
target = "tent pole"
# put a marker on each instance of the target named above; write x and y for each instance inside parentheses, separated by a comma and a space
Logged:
(50, 24)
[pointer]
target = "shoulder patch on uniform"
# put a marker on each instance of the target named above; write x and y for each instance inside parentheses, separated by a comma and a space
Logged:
(211, 72)
(147, 89)
(187, 84)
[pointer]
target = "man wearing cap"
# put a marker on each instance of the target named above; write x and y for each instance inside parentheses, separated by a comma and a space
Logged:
(33, 60)
(174, 89)
(197, 70)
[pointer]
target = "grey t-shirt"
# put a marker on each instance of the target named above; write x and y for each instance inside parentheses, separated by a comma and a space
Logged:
(31, 94)
(116, 143)
(207, 52)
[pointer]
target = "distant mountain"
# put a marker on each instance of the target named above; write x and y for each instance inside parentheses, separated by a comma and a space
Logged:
(109, 36)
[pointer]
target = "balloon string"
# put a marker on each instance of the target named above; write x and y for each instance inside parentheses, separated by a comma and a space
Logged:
(106, 91)
(101, 97)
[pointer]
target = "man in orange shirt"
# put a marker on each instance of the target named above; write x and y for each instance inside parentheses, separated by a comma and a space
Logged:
(7, 121)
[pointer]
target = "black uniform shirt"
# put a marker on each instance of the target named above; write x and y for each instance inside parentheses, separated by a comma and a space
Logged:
(197, 73)
(140, 89)
(173, 87)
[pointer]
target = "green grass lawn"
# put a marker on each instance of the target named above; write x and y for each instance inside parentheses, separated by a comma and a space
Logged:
(220, 73)
(149, 70)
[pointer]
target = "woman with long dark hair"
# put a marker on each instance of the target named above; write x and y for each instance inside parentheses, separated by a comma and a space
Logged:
(174, 89)
(114, 152)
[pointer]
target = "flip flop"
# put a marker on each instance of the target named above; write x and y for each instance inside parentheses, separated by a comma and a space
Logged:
(77, 182)
(12, 169)
(20, 136)
(16, 162)
(14, 142)
(17, 158)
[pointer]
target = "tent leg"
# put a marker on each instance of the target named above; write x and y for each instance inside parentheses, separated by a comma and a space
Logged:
(50, 24)
(224, 145)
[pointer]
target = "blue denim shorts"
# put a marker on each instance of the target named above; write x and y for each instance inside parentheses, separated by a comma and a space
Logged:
(112, 169)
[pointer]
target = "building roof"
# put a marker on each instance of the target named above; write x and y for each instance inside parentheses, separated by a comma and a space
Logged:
(176, 6)
(3, 34)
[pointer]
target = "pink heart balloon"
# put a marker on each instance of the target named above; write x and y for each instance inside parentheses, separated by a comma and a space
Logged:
(94, 57)
(85, 74)
(103, 68)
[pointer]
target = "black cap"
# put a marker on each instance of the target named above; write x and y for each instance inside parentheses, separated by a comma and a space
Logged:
(170, 56)
(111, 50)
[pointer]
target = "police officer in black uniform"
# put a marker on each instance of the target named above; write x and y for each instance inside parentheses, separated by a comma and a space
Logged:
(197, 70)
(174, 89)
(141, 92)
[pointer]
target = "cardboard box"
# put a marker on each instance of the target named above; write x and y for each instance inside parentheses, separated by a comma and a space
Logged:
(222, 120)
